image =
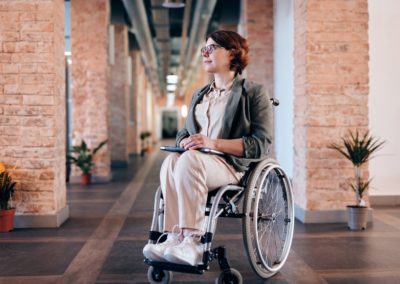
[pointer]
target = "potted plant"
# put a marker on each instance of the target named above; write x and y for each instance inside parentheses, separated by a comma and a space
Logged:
(358, 150)
(143, 136)
(149, 148)
(6, 193)
(83, 159)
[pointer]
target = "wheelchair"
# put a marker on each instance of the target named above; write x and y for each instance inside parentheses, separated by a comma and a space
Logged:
(267, 224)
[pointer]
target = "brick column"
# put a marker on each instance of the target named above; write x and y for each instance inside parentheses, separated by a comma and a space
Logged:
(133, 130)
(141, 106)
(32, 108)
(89, 85)
(331, 96)
(256, 25)
(119, 99)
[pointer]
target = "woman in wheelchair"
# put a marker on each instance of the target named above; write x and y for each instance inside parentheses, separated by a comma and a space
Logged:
(231, 115)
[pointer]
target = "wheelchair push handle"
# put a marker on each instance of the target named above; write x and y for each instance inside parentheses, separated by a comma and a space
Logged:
(275, 102)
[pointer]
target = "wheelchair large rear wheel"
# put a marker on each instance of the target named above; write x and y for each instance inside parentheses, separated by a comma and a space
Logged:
(269, 221)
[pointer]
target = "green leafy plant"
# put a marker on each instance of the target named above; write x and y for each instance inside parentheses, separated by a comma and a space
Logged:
(6, 186)
(83, 156)
(358, 150)
(143, 135)
(363, 185)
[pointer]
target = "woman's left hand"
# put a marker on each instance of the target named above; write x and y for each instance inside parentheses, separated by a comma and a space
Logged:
(198, 141)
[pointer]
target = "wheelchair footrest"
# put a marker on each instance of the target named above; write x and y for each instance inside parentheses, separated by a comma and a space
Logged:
(177, 267)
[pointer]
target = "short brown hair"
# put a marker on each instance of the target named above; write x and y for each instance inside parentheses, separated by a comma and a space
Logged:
(237, 44)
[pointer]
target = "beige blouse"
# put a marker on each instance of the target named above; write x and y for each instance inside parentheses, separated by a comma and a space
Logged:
(210, 113)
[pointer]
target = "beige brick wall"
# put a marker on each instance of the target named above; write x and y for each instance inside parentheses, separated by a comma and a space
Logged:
(119, 97)
(133, 142)
(257, 27)
(89, 73)
(32, 102)
(331, 96)
(142, 102)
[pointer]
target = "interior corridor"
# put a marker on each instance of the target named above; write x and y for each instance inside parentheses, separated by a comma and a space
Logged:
(102, 241)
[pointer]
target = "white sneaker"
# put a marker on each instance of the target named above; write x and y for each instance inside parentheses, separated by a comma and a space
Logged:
(155, 252)
(188, 252)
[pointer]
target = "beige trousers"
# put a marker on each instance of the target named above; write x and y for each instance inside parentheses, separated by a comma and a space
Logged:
(186, 180)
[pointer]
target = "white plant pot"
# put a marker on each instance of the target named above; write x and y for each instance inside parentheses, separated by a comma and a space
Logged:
(357, 217)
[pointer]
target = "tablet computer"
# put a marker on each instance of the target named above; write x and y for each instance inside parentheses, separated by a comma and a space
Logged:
(181, 150)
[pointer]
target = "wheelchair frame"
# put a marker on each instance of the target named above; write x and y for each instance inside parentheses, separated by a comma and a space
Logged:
(256, 179)
(228, 210)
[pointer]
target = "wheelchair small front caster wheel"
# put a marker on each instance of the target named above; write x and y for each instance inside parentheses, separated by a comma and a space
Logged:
(165, 277)
(222, 277)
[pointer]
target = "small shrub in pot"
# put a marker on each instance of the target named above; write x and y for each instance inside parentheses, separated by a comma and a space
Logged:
(6, 193)
(82, 157)
(359, 150)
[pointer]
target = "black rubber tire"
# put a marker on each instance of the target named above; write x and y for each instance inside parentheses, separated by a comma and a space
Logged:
(246, 221)
(166, 279)
(236, 275)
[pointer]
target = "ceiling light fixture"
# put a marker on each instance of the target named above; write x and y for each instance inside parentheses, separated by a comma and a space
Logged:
(172, 79)
(173, 4)
(171, 87)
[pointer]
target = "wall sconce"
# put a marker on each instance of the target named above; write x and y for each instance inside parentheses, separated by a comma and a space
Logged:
(184, 111)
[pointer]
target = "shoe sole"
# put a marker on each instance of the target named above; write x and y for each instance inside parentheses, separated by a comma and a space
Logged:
(173, 259)
(153, 257)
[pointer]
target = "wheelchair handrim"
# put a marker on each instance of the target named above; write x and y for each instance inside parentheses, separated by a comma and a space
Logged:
(287, 231)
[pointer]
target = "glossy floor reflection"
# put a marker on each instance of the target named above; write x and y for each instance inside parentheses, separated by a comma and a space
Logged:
(327, 253)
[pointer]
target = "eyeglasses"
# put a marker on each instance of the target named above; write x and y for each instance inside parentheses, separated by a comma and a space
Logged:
(210, 48)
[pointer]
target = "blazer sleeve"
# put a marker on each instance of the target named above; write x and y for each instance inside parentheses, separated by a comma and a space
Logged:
(256, 144)
(183, 132)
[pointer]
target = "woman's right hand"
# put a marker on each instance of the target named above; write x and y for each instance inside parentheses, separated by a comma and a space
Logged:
(182, 143)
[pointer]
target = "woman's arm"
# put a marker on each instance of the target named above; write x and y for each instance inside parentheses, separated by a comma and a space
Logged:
(229, 146)
(257, 143)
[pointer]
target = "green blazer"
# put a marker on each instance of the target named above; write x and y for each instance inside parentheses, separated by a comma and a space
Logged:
(248, 115)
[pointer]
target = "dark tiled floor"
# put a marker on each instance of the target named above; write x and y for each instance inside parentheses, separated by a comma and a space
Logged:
(32, 259)
(330, 251)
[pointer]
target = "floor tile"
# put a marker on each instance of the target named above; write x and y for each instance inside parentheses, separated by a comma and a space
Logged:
(348, 253)
(72, 227)
(32, 259)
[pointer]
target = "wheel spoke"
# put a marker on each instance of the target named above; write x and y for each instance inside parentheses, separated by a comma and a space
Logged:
(276, 247)
(269, 237)
(268, 226)
(270, 205)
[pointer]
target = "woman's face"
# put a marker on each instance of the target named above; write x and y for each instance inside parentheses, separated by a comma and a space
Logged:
(219, 61)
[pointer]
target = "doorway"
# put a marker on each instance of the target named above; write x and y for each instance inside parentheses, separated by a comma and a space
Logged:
(169, 124)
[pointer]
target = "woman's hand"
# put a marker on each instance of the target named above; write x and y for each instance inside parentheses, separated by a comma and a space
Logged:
(182, 143)
(198, 141)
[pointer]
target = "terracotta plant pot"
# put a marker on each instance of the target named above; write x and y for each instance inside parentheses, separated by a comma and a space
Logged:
(7, 220)
(357, 217)
(149, 149)
(86, 179)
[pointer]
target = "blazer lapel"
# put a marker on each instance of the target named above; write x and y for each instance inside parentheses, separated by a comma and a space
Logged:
(231, 106)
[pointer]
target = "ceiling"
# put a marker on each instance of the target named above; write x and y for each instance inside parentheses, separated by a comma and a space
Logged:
(164, 32)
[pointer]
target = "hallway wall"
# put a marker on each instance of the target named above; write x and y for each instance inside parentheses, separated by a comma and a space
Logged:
(89, 81)
(384, 100)
(32, 104)
(119, 99)
(133, 143)
(331, 97)
(284, 82)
